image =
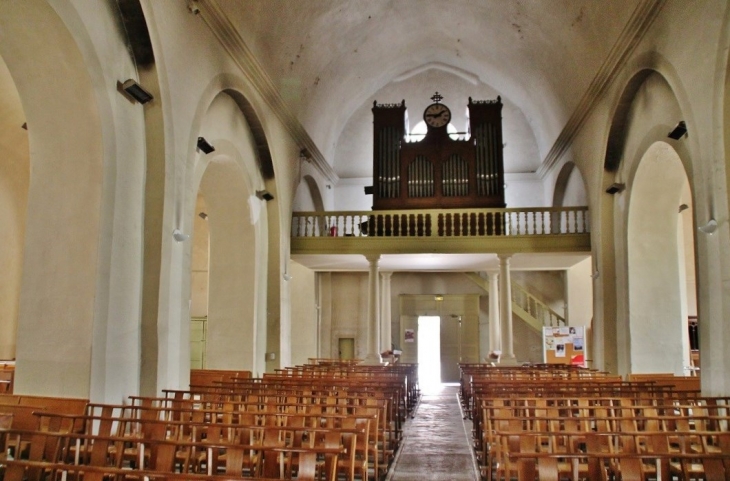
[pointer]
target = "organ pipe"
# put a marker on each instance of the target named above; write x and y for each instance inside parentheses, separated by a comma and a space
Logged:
(438, 171)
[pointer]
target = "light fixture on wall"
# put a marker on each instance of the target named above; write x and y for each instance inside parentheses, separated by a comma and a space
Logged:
(615, 188)
(304, 156)
(179, 236)
(679, 131)
(264, 195)
(683, 207)
(204, 146)
(203, 215)
(136, 91)
(438, 297)
(709, 228)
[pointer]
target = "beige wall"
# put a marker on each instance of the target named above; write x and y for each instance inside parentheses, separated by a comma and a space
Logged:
(304, 326)
(343, 299)
(14, 178)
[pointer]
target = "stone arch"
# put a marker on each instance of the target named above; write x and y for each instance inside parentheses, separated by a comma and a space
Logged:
(61, 253)
(14, 183)
(570, 189)
(627, 140)
(308, 195)
(619, 120)
(651, 115)
(227, 181)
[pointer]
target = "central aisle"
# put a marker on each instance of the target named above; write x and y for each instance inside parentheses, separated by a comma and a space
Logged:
(436, 444)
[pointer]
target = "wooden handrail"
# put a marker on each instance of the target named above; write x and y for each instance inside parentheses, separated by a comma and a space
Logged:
(533, 221)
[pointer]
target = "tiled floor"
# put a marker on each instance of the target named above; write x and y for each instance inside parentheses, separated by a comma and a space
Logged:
(436, 443)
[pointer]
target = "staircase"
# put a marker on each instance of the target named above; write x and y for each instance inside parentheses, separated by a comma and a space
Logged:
(529, 308)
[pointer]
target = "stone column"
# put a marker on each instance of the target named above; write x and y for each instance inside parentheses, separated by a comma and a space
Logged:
(505, 309)
(495, 341)
(385, 312)
(373, 334)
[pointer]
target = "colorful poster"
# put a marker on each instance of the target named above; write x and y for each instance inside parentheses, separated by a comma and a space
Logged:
(409, 335)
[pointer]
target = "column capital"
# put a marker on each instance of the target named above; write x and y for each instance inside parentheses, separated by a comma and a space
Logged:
(504, 256)
(372, 258)
(386, 274)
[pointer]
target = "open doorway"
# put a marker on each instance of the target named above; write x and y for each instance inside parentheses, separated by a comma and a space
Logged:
(429, 351)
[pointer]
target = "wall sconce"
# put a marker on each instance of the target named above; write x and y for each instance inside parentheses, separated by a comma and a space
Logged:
(135, 90)
(438, 297)
(709, 228)
(203, 216)
(179, 236)
(204, 146)
(683, 207)
(264, 195)
(615, 188)
(679, 131)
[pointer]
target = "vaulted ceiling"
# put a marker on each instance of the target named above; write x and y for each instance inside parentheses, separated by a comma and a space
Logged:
(331, 58)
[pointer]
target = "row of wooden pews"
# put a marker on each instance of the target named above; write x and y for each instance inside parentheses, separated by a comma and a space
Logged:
(7, 377)
(307, 423)
(540, 423)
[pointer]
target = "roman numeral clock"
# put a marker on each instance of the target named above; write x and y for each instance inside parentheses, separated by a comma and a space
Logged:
(438, 171)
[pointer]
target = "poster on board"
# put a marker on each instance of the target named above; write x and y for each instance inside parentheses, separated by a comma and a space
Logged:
(564, 345)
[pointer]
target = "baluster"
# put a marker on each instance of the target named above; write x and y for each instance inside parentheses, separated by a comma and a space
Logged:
(521, 223)
(533, 224)
(572, 222)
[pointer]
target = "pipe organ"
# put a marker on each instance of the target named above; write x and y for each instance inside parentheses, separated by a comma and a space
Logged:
(438, 171)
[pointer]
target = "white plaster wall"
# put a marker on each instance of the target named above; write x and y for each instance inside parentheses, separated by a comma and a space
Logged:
(75, 286)
(14, 179)
(524, 190)
(656, 310)
(305, 328)
(698, 81)
(580, 293)
(575, 190)
(200, 263)
(185, 106)
(350, 194)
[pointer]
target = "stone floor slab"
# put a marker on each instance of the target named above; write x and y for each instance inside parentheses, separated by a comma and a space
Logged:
(436, 442)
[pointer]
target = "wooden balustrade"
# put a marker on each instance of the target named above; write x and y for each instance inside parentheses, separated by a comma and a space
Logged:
(535, 221)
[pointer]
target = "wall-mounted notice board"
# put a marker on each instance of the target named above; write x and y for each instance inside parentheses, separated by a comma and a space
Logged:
(564, 345)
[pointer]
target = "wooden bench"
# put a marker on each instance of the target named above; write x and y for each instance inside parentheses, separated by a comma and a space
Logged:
(677, 383)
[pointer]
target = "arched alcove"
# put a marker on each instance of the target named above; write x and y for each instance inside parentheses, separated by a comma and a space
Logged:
(14, 183)
(657, 286)
(570, 188)
(232, 264)
(308, 197)
(229, 258)
(570, 191)
(62, 234)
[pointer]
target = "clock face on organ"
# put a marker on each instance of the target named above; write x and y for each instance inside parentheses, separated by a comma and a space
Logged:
(437, 115)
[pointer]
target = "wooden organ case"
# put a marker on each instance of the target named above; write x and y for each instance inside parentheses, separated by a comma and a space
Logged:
(438, 171)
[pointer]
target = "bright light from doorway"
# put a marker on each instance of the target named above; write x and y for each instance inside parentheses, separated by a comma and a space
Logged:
(429, 352)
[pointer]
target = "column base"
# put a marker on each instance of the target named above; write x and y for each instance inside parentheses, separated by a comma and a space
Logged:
(371, 361)
(508, 361)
